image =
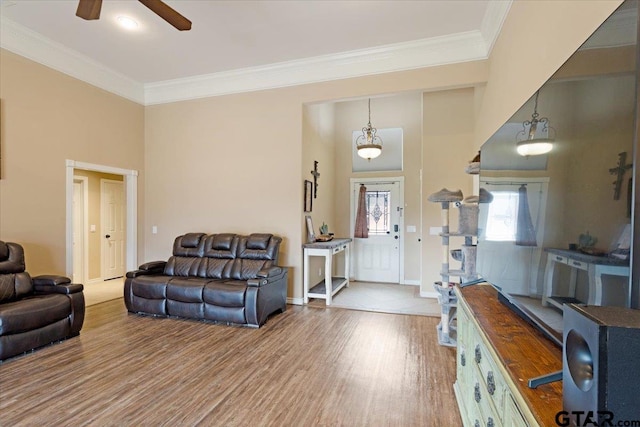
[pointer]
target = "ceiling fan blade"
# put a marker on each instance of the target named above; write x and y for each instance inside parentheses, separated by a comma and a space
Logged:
(165, 12)
(89, 9)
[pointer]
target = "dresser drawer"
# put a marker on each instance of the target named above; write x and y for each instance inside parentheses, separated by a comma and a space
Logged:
(489, 415)
(490, 376)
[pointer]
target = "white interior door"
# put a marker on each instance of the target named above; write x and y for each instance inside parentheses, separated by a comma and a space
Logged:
(79, 229)
(377, 258)
(113, 228)
(519, 273)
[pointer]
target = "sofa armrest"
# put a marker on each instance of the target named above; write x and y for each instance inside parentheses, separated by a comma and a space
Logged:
(269, 272)
(50, 280)
(48, 284)
(153, 267)
(266, 276)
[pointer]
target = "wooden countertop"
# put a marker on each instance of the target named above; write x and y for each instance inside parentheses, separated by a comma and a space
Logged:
(521, 349)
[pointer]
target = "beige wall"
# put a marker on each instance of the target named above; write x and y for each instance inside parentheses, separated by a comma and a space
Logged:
(94, 217)
(233, 163)
(48, 117)
(448, 123)
(397, 111)
(524, 57)
(318, 144)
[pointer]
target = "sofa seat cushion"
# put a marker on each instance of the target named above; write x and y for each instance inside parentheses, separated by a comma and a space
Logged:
(227, 293)
(33, 312)
(150, 287)
(186, 289)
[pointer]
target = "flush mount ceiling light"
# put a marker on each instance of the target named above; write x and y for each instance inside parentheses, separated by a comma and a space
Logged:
(369, 145)
(126, 22)
(536, 136)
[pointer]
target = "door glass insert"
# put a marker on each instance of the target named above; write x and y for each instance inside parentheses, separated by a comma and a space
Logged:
(378, 212)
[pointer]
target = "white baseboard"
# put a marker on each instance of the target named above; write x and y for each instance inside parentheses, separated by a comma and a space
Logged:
(295, 301)
(428, 294)
(411, 282)
(94, 281)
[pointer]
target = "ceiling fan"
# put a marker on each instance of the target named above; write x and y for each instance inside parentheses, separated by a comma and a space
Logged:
(90, 9)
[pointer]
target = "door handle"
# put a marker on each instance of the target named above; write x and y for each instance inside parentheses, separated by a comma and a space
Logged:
(395, 237)
(108, 236)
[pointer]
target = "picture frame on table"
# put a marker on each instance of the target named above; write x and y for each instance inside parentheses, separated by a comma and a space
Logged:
(308, 196)
(311, 236)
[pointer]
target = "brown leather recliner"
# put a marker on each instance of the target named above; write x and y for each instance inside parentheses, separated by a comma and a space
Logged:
(34, 312)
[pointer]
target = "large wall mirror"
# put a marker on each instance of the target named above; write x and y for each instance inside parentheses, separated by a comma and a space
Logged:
(578, 197)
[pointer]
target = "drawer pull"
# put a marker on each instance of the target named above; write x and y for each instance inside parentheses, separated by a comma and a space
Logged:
(491, 383)
(463, 359)
(577, 264)
(558, 258)
(478, 354)
(490, 422)
(476, 393)
(477, 424)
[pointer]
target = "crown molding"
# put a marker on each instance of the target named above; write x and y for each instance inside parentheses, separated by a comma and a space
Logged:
(462, 47)
(492, 22)
(29, 44)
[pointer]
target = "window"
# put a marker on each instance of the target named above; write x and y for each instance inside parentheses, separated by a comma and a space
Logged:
(378, 215)
(502, 217)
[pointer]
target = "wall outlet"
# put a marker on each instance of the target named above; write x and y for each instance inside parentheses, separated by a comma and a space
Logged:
(319, 272)
(434, 231)
(411, 229)
(154, 229)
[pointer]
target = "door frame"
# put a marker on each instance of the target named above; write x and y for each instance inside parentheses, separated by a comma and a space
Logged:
(131, 200)
(85, 220)
(352, 214)
(102, 226)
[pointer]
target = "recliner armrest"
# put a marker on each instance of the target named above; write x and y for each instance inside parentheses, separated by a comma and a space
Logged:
(267, 276)
(152, 267)
(49, 284)
(269, 272)
(50, 280)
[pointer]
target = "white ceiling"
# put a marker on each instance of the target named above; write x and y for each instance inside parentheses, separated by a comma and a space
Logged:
(237, 46)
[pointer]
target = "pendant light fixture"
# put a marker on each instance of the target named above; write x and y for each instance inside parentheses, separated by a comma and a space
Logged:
(536, 136)
(369, 145)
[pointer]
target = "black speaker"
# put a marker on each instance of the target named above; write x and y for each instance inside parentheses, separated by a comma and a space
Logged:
(601, 364)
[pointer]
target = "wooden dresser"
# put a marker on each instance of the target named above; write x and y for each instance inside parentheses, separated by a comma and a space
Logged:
(498, 352)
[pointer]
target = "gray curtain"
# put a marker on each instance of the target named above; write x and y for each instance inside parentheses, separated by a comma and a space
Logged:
(525, 232)
(362, 231)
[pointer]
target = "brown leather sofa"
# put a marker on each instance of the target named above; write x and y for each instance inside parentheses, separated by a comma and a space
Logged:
(34, 312)
(223, 278)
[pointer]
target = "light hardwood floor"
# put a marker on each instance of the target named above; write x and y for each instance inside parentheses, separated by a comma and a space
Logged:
(308, 366)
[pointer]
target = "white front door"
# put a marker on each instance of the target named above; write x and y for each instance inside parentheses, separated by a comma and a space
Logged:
(113, 228)
(500, 256)
(377, 258)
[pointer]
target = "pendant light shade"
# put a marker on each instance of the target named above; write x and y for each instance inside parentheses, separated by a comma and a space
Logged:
(536, 136)
(369, 145)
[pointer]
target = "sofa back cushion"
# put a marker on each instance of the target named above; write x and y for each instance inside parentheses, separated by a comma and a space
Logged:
(222, 256)
(255, 252)
(14, 281)
(219, 252)
(187, 255)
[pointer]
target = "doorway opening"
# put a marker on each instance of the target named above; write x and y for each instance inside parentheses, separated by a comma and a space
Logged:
(101, 228)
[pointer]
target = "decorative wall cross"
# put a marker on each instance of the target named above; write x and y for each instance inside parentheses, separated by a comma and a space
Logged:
(619, 170)
(316, 175)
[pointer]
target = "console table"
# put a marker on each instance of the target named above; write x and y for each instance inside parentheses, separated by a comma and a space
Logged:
(498, 352)
(595, 266)
(330, 285)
